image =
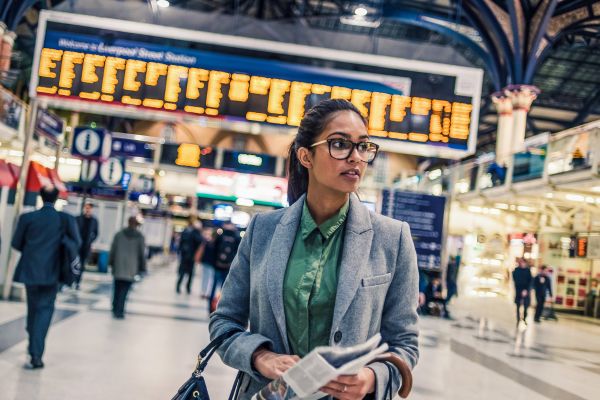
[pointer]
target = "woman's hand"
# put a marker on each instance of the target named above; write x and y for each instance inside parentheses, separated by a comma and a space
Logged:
(352, 387)
(272, 365)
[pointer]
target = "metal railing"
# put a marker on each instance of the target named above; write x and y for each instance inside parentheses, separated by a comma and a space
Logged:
(555, 157)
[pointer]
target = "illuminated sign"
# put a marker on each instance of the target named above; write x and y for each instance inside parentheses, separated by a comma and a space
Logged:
(415, 103)
(187, 155)
(262, 164)
(229, 185)
(250, 159)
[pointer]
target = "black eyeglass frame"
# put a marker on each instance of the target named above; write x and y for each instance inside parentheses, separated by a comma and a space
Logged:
(354, 146)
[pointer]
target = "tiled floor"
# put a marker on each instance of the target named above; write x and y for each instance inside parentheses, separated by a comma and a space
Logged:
(479, 355)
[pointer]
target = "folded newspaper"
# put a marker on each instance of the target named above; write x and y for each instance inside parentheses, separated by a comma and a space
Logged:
(319, 367)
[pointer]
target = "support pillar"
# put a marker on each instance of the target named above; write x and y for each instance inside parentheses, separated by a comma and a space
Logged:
(21, 191)
(504, 107)
(522, 97)
(8, 41)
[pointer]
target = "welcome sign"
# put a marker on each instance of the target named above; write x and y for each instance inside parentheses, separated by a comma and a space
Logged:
(97, 61)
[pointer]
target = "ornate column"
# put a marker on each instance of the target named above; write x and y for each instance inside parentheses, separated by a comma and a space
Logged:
(8, 41)
(504, 107)
(522, 96)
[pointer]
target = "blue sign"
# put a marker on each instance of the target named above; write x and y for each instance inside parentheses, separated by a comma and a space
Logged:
(131, 148)
(425, 216)
(249, 162)
(91, 143)
(49, 125)
(109, 173)
(405, 105)
(11, 109)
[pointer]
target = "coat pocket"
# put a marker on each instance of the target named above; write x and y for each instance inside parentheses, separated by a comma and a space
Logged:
(376, 280)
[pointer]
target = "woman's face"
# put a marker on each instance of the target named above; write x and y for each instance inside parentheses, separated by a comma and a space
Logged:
(338, 175)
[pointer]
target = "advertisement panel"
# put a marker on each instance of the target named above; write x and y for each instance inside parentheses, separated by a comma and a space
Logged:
(232, 186)
(411, 106)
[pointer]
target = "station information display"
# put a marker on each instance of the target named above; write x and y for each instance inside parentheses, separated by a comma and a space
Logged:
(99, 61)
(425, 214)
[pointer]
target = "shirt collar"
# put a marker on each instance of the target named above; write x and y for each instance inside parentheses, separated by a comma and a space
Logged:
(327, 228)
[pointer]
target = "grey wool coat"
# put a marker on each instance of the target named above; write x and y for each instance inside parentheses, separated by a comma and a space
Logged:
(377, 291)
(127, 254)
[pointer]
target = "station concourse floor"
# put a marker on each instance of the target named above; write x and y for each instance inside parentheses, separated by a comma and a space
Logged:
(480, 354)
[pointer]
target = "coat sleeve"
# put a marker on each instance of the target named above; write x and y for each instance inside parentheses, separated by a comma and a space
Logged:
(399, 320)
(142, 254)
(18, 240)
(113, 249)
(94, 232)
(233, 312)
(73, 229)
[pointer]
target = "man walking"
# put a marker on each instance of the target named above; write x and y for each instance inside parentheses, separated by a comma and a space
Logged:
(523, 280)
(127, 258)
(543, 287)
(88, 230)
(38, 237)
(189, 246)
(226, 247)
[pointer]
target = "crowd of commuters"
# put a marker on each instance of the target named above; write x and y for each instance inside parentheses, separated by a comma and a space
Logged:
(40, 237)
(214, 252)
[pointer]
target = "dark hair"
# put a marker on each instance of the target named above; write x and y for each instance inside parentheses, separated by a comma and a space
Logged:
(133, 222)
(49, 194)
(311, 126)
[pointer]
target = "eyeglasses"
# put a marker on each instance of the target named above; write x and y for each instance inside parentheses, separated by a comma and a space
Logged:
(341, 149)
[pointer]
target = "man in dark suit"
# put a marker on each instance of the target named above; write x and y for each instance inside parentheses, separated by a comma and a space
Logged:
(38, 237)
(88, 230)
(543, 287)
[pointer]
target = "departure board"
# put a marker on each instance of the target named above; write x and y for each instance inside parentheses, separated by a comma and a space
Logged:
(125, 69)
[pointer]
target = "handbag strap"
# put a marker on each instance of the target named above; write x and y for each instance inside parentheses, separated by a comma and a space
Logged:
(237, 385)
(209, 350)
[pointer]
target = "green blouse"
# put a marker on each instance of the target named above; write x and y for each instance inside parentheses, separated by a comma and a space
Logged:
(310, 283)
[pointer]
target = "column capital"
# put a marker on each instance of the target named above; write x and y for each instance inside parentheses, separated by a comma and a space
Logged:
(503, 103)
(522, 96)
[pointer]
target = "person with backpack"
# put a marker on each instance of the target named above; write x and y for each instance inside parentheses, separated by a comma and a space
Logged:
(226, 247)
(39, 237)
(189, 249)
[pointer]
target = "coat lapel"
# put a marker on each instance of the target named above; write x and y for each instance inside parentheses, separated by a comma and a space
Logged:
(355, 256)
(279, 254)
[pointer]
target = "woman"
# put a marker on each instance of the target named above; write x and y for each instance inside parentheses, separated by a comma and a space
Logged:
(324, 271)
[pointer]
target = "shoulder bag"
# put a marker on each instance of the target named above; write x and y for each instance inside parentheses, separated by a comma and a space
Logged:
(69, 262)
(195, 387)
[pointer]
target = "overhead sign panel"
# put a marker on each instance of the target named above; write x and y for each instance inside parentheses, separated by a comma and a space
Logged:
(411, 106)
(249, 162)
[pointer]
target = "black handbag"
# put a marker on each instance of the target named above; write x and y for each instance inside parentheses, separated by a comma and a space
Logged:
(195, 387)
(69, 262)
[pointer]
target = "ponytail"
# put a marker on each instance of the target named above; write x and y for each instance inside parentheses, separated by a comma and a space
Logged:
(311, 126)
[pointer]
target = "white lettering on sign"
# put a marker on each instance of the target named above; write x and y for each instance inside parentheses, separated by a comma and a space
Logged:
(88, 142)
(250, 159)
(89, 169)
(111, 172)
